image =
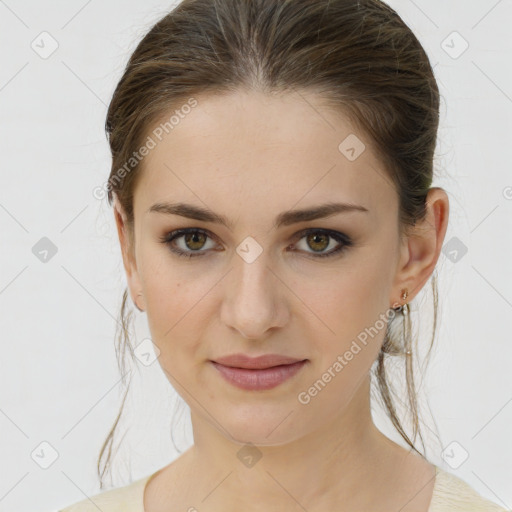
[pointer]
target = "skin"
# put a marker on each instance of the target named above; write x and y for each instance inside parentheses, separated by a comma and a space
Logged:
(223, 156)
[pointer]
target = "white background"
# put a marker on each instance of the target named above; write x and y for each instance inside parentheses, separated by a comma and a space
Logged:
(59, 382)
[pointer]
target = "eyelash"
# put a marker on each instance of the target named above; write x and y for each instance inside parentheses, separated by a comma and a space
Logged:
(178, 233)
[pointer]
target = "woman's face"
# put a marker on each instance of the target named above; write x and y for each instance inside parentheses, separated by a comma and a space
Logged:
(254, 288)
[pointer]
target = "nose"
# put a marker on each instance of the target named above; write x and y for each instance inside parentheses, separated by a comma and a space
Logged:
(255, 301)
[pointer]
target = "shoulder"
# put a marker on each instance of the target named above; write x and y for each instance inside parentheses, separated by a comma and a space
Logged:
(129, 498)
(453, 494)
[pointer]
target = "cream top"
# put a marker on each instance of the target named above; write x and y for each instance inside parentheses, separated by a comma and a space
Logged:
(450, 494)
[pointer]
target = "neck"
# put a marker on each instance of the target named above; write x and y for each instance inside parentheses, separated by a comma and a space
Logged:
(344, 462)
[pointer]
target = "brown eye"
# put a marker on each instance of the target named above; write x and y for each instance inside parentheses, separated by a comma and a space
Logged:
(318, 240)
(195, 240)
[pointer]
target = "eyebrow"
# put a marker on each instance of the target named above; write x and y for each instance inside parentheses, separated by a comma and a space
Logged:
(286, 218)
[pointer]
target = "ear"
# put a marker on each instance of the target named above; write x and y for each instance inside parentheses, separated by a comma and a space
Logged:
(128, 254)
(420, 250)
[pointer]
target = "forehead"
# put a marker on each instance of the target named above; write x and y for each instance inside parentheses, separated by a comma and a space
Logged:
(244, 148)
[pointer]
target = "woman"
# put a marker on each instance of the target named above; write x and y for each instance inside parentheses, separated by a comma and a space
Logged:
(271, 183)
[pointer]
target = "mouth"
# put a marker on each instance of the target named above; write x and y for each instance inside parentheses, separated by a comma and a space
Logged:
(262, 376)
(256, 363)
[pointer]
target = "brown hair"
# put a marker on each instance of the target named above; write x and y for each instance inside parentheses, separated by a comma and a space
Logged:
(358, 55)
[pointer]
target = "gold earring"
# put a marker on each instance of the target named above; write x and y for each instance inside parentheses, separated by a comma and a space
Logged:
(403, 296)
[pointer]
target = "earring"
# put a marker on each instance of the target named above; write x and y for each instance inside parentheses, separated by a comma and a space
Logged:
(405, 311)
(391, 345)
(404, 308)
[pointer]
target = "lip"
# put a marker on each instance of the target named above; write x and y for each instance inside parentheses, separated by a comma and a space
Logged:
(255, 363)
(266, 371)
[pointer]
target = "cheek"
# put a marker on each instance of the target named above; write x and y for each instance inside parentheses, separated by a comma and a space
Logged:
(355, 297)
(350, 309)
(347, 340)
(173, 303)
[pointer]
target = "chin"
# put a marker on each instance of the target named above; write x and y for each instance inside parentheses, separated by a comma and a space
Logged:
(263, 425)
